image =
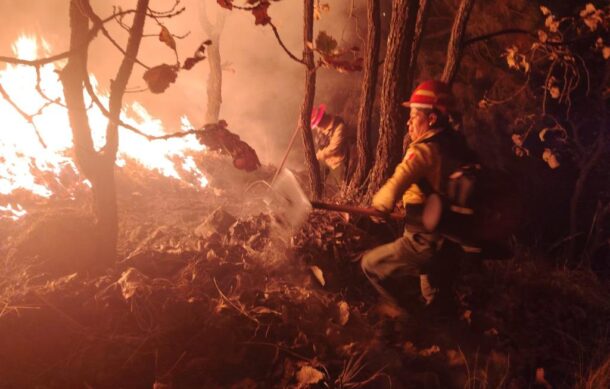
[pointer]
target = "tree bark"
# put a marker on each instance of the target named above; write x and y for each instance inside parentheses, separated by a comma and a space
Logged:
(420, 26)
(367, 97)
(214, 87)
(98, 167)
(587, 162)
(455, 48)
(394, 90)
(315, 180)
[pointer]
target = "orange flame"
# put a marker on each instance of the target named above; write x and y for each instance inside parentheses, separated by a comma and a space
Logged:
(27, 165)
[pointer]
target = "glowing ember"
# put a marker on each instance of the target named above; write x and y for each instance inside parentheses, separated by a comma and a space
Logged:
(27, 165)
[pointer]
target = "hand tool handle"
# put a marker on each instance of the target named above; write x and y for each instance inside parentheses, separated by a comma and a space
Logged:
(355, 210)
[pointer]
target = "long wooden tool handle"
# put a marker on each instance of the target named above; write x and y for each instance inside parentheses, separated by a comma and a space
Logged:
(357, 210)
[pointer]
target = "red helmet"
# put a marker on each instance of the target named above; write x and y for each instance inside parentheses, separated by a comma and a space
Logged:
(431, 94)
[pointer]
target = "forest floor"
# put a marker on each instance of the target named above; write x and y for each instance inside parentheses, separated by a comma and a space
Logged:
(209, 292)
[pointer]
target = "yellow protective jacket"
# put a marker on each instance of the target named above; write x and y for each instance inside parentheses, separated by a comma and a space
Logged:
(335, 152)
(423, 160)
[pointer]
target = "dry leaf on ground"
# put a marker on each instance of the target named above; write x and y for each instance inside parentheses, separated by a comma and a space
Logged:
(309, 375)
(343, 312)
(317, 272)
(430, 351)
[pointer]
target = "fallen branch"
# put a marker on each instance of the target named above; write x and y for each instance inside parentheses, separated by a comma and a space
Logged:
(232, 304)
(280, 348)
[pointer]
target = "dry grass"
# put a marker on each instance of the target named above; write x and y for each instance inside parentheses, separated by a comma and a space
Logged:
(598, 377)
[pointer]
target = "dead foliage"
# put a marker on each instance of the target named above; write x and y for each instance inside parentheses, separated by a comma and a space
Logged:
(209, 293)
(216, 136)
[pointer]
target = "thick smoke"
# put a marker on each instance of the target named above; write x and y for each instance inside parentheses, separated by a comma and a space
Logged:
(262, 86)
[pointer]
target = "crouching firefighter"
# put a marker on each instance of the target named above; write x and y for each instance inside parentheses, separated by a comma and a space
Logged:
(333, 141)
(407, 271)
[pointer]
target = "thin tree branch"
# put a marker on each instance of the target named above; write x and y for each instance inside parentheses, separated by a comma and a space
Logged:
(41, 92)
(21, 112)
(29, 118)
(95, 99)
(98, 22)
(507, 31)
(54, 58)
(279, 39)
(174, 11)
(275, 32)
(117, 88)
(105, 112)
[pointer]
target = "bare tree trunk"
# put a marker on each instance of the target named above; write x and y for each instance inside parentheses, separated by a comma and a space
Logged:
(367, 97)
(72, 77)
(310, 89)
(587, 162)
(420, 26)
(394, 91)
(98, 167)
(214, 86)
(455, 48)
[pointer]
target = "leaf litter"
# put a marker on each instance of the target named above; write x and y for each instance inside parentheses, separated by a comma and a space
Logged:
(208, 294)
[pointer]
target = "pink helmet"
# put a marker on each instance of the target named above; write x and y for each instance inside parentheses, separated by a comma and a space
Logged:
(317, 114)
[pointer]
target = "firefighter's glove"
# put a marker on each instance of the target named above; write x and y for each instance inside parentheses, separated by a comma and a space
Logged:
(382, 205)
(378, 220)
(383, 200)
(320, 155)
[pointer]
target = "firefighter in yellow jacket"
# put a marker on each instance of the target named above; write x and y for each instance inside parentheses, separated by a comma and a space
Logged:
(403, 264)
(332, 142)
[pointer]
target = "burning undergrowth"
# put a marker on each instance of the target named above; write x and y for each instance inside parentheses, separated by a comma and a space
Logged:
(209, 292)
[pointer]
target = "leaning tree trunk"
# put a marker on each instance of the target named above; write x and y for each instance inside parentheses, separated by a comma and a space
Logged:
(310, 89)
(367, 97)
(98, 167)
(214, 86)
(455, 48)
(94, 166)
(584, 171)
(394, 91)
(420, 26)
(588, 161)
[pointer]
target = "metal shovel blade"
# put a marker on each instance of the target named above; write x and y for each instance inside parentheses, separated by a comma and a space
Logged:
(288, 202)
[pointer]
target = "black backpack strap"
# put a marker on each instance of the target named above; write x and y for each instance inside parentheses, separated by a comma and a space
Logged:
(425, 187)
(423, 183)
(452, 146)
